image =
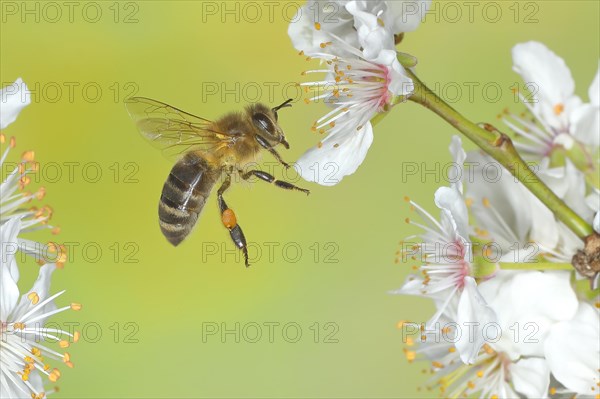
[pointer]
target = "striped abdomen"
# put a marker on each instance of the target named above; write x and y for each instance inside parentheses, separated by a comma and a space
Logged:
(183, 196)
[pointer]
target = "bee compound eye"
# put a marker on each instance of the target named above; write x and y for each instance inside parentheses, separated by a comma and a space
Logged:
(263, 122)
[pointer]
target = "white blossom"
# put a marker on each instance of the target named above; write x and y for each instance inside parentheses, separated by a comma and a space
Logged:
(563, 119)
(356, 90)
(369, 25)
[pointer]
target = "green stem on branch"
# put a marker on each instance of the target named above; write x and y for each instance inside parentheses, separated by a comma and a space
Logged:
(535, 266)
(500, 147)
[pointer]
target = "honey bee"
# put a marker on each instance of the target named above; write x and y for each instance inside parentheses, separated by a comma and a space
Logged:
(207, 152)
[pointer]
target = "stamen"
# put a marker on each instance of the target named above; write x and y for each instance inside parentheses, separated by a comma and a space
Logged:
(558, 109)
(33, 297)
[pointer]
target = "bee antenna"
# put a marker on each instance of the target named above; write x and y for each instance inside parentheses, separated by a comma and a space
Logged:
(283, 105)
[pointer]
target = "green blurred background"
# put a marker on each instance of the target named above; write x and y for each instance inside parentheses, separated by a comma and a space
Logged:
(152, 303)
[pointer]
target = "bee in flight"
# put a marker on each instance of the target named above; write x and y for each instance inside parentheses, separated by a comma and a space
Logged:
(207, 152)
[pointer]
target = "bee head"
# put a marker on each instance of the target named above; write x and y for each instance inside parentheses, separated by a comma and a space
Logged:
(265, 120)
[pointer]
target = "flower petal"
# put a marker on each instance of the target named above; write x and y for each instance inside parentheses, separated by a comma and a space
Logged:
(553, 86)
(41, 287)
(531, 377)
(405, 15)
(497, 203)
(528, 304)
(13, 98)
(585, 121)
(9, 246)
(372, 35)
(333, 19)
(572, 350)
(473, 316)
(454, 210)
(339, 155)
(9, 292)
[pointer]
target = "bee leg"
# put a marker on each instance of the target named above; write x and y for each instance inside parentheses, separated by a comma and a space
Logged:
(265, 144)
(229, 220)
(271, 179)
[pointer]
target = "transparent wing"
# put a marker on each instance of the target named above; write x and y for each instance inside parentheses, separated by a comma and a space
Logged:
(172, 130)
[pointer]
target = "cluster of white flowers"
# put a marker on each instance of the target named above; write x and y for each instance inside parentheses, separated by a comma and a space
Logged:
(513, 333)
(355, 40)
(24, 352)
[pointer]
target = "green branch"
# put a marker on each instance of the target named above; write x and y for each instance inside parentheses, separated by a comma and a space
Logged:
(500, 147)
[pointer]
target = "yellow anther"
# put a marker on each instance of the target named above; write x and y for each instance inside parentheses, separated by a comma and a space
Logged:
(401, 324)
(76, 306)
(24, 181)
(317, 26)
(28, 156)
(13, 142)
(41, 193)
(64, 344)
(486, 202)
(76, 336)
(558, 109)
(552, 391)
(410, 355)
(33, 297)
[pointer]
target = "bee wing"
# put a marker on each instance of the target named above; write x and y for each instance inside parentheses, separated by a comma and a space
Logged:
(172, 130)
